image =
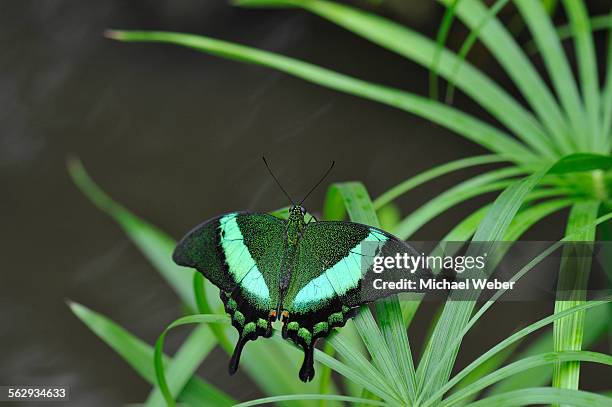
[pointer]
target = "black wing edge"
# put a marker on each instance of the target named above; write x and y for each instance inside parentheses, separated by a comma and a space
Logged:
(179, 256)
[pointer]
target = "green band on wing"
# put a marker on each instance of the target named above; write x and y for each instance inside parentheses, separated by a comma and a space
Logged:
(342, 276)
(239, 260)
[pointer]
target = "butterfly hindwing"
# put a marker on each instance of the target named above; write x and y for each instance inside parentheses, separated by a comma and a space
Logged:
(326, 280)
(240, 253)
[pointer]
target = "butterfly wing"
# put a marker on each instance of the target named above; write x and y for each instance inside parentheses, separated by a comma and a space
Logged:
(327, 280)
(240, 253)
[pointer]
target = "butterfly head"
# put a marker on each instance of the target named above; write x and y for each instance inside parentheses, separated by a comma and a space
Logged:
(297, 212)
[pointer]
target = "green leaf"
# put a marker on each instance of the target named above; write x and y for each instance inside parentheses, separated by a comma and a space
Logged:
(506, 342)
(276, 379)
(155, 245)
(424, 51)
(514, 61)
(204, 308)
(186, 360)
(587, 65)
(443, 31)
(538, 376)
(464, 230)
(557, 66)
(351, 336)
(391, 321)
(607, 93)
(523, 221)
(526, 364)
(598, 23)
(379, 350)
(389, 215)
(544, 395)
(393, 340)
(409, 307)
(158, 247)
(468, 43)
(461, 232)
(325, 374)
(519, 225)
(359, 207)
(139, 355)
(478, 185)
(462, 123)
(596, 325)
(368, 395)
(491, 365)
(432, 173)
(568, 332)
(433, 372)
(448, 353)
(359, 369)
(293, 397)
(351, 198)
(530, 216)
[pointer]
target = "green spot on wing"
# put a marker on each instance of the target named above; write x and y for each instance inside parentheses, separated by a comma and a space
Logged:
(249, 328)
(239, 317)
(320, 327)
(335, 318)
(305, 335)
(262, 323)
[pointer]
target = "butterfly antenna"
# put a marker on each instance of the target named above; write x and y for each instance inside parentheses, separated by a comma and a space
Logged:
(318, 183)
(277, 182)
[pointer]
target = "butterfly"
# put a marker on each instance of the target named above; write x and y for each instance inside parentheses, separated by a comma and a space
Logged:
(309, 275)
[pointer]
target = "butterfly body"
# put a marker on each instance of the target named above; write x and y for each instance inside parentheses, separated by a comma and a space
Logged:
(307, 275)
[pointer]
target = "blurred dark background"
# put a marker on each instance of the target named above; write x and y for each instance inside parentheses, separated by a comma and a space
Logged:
(177, 137)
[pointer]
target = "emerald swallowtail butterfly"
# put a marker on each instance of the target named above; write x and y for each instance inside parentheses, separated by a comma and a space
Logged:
(307, 275)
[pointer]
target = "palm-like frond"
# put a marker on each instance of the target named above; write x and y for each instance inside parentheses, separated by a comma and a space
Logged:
(561, 138)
